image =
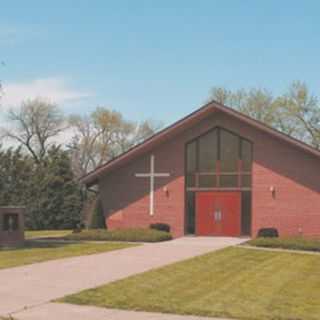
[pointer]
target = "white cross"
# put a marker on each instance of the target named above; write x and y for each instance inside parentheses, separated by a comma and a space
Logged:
(152, 175)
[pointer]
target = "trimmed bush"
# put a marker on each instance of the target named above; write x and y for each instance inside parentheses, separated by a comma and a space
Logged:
(268, 233)
(287, 243)
(129, 235)
(160, 226)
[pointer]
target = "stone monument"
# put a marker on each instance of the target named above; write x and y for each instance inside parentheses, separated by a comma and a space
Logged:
(11, 226)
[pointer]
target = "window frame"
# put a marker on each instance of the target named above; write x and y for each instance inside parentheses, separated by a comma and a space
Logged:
(217, 172)
(245, 230)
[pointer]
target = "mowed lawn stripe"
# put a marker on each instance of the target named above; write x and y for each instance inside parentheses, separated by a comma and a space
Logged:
(234, 282)
(35, 251)
(33, 234)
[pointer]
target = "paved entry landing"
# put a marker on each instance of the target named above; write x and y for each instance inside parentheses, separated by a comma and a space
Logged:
(33, 285)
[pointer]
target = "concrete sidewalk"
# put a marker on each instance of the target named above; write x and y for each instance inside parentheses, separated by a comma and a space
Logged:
(63, 311)
(29, 286)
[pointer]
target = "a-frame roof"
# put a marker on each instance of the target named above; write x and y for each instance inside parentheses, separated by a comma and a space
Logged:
(213, 106)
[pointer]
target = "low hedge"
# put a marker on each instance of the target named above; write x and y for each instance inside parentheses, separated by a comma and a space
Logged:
(160, 226)
(130, 235)
(297, 243)
(268, 233)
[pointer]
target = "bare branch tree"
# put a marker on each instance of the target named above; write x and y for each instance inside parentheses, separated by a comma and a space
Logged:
(102, 136)
(34, 126)
(304, 110)
(296, 112)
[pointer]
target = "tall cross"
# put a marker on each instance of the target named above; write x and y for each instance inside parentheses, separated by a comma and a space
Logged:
(152, 175)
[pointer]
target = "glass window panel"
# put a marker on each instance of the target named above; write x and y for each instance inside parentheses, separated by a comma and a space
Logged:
(246, 213)
(246, 181)
(190, 223)
(229, 181)
(191, 157)
(246, 150)
(229, 153)
(191, 180)
(208, 152)
(207, 181)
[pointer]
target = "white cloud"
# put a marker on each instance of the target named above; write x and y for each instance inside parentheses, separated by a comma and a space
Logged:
(56, 90)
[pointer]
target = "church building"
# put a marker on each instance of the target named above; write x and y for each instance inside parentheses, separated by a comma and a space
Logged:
(216, 172)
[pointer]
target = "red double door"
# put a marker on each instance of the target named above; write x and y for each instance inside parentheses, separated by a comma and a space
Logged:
(218, 213)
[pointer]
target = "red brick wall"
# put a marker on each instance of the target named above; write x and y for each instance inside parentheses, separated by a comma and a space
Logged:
(295, 175)
(295, 207)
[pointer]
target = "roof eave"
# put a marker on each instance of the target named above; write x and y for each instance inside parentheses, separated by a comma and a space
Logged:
(92, 178)
(182, 124)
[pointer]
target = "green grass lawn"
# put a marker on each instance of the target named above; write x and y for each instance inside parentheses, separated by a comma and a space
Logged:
(234, 282)
(42, 251)
(287, 243)
(33, 234)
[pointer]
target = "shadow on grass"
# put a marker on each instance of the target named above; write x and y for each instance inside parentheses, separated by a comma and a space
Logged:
(40, 244)
(290, 243)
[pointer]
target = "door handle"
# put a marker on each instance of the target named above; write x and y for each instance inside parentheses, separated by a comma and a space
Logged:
(217, 215)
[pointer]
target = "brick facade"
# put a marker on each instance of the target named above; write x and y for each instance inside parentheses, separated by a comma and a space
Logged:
(293, 208)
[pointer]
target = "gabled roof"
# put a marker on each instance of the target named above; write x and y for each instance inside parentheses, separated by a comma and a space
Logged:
(92, 177)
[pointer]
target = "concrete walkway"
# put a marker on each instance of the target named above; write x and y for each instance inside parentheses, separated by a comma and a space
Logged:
(63, 311)
(34, 285)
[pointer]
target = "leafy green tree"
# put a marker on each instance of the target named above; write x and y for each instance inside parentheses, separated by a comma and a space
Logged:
(38, 174)
(59, 200)
(52, 196)
(16, 170)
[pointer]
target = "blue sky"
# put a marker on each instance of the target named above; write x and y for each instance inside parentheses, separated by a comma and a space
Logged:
(154, 59)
